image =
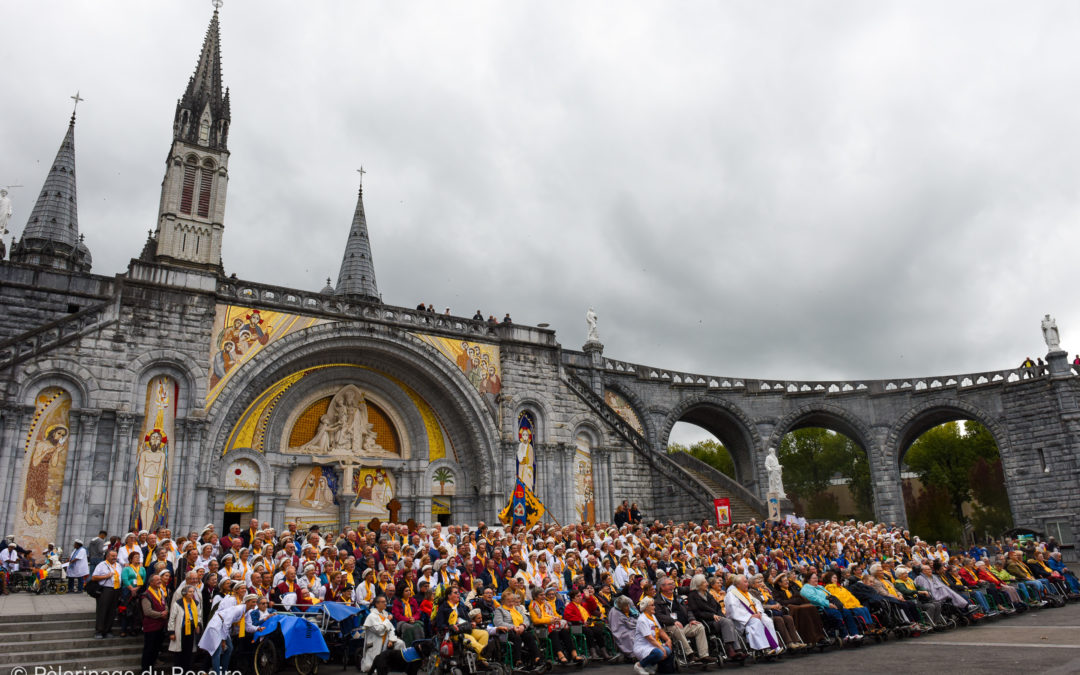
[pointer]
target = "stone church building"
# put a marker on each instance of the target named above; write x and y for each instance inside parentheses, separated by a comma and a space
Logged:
(172, 394)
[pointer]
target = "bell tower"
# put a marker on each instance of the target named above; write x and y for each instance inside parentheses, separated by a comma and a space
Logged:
(191, 218)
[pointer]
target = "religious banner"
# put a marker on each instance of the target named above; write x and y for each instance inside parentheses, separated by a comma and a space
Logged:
(242, 332)
(150, 501)
(583, 481)
(526, 454)
(523, 508)
(722, 506)
(44, 459)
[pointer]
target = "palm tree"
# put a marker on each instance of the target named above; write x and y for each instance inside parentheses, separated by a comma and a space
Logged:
(442, 477)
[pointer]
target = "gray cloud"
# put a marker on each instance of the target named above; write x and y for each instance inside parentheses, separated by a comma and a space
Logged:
(794, 190)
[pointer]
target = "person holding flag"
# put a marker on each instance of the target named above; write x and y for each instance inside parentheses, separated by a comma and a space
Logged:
(523, 509)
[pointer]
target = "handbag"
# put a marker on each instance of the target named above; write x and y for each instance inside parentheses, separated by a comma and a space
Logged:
(92, 588)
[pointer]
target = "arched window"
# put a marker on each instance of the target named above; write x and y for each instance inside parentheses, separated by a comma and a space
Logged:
(187, 193)
(205, 184)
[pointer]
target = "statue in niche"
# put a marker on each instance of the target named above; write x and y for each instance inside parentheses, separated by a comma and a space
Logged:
(775, 471)
(344, 430)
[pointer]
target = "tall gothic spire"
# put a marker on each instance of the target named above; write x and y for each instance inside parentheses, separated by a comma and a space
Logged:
(51, 237)
(202, 113)
(357, 276)
(191, 217)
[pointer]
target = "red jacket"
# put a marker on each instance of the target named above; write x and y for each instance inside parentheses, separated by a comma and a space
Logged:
(573, 614)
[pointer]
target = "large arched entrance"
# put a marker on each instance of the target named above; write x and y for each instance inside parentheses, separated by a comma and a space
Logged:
(826, 460)
(353, 426)
(728, 425)
(951, 464)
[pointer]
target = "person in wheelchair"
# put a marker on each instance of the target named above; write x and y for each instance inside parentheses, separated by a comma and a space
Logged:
(545, 614)
(678, 623)
(782, 620)
(576, 615)
(704, 607)
(514, 619)
(479, 635)
(905, 585)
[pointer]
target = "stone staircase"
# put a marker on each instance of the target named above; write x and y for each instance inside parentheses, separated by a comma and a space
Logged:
(701, 485)
(34, 343)
(744, 505)
(61, 642)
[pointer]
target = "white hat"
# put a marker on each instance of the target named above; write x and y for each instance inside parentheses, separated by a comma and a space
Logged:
(77, 541)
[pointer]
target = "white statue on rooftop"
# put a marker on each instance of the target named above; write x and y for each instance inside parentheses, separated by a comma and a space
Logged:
(5, 211)
(1050, 334)
(590, 319)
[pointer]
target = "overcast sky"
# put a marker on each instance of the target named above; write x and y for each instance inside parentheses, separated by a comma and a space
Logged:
(798, 190)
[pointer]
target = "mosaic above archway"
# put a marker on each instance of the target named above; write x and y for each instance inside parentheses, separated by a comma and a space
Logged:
(242, 332)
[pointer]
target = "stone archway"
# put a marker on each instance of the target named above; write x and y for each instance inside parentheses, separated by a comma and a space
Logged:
(840, 420)
(451, 401)
(729, 424)
(929, 414)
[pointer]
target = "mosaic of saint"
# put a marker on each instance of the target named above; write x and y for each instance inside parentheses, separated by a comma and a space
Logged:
(583, 481)
(150, 502)
(45, 457)
(479, 362)
(526, 453)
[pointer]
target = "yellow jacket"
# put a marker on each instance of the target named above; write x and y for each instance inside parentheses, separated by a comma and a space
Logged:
(844, 596)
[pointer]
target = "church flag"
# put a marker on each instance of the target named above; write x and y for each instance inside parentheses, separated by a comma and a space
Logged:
(523, 509)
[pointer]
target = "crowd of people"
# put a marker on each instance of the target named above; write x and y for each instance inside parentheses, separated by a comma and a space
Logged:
(643, 593)
(478, 316)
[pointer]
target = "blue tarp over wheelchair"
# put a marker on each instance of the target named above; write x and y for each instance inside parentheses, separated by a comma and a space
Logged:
(302, 637)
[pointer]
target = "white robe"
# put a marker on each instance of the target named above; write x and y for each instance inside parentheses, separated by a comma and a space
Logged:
(218, 627)
(378, 636)
(735, 604)
(77, 565)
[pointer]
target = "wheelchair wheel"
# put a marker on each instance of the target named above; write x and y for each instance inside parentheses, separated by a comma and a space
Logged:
(267, 660)
(306, 664)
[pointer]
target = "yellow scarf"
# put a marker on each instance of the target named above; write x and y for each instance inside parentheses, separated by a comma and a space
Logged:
(453, 619)
(241, 625)
(515, 615)
(159, 594)
(656, 624)
(138, 574)
(191, 616)
(407, 607)
(584, 612)
(115, 576)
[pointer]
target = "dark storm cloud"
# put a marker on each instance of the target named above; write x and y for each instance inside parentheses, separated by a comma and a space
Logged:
(787, 190)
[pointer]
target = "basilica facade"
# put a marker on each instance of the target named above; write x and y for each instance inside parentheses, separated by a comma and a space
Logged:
(172, 394)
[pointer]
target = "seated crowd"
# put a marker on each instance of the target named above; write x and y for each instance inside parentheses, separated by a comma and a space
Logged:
(641, 593)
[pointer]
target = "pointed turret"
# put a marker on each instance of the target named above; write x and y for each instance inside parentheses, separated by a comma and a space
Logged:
(202, 113)
(356, 279)
(51, 237)
(191, 218)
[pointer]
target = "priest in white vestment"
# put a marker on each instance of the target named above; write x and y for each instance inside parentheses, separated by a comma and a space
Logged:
(746, 611)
